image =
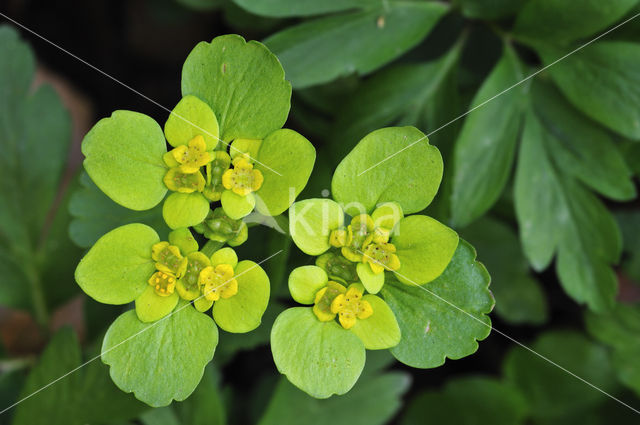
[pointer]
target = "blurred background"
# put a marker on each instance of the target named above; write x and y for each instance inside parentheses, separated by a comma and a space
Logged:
(355, 66)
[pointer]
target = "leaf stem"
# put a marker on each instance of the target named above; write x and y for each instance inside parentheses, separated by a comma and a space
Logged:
(210, 247)
(37, 296)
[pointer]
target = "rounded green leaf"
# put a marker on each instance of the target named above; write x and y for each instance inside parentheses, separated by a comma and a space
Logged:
(380, 330)
(243, 311)
(161, 361)
(372, 282)
(424, 246)
(225, 256)
(320, 358)
(305, 281)
(391, 164)
(285, 160)
(242, 82)
(151, 306)
(445, 318)
(311, 222)
(190, 118)
(123, 156)
(237, 206)
(116, 269)
(184, 209)
(183, 239)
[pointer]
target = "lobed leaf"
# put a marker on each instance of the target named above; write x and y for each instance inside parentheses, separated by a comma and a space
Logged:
(556, 214)
(123, 156)
(445, 318)
(603, 81)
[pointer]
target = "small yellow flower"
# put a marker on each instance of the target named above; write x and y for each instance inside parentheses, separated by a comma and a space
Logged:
(188, 286)
(215, 169)
(182, 182)
(192, 156)
(350, 306)
(242, 179)
(381, 256)
(380, 235)
(218, 282)
(358, 235)
(339, 238)
(163, 283)
(324, 298)
(168, 259)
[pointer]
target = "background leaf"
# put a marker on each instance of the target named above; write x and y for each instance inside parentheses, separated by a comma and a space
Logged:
(35, 133)
(562, 395)
(432, 329)
(519, 296)
(582, 148)
(603, 81)
(285, 8)
(84, 396)
(389, 97)
(556, 214)
(619, 330)
(490, 9)
(485, 148)
(564, 21)
(324, 49)
(372, 401)
(468, 400)
(94, 214)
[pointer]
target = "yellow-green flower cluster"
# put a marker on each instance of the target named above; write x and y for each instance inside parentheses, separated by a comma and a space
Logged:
(364, 241)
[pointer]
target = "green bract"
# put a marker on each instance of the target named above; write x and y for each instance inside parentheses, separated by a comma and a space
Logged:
(320, 358)
(391, 164)
(160, 362)
(265, 167)
(375, 186)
